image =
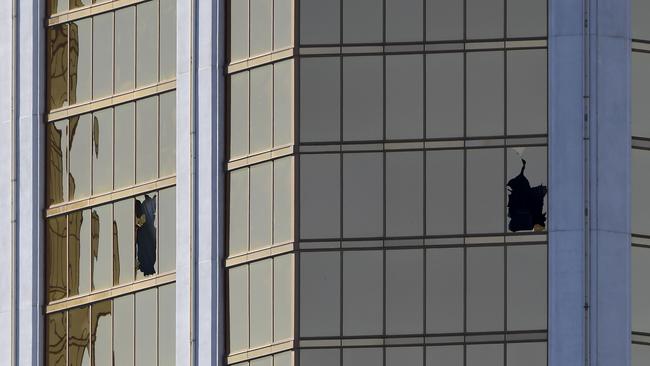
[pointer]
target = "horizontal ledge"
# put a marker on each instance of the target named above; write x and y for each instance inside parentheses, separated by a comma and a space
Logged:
(89, 10)
(260, 254)
(261, 60)
(261, 157)
(261, 352)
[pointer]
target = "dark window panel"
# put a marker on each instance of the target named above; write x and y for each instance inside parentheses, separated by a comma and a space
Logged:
(526, 354)
(526, 287)
(527, 18)
(640, 290)
(484, 19)
(445, 356)
(363, 98)
(485, 191)
(485, 289)
(101, 247)
(320, 99)
(146, 226)
(320, 190)
(444, 191)
(56, 246)
(320, 293)
(363, 192)
(398, 356)
(363, 356)
(640, 183)
(527, 92)
(102, 151)
(57, 162)
(639, 17)
(485, 98)
(640, 354)
(57, 55)
(640, 91)
(445, 95)
(444, 290)
(484, 355)
(79, 224)
(319, 22)
(404, 20)
(81, 36)
(404, 193)
(362, 21)
(363, 293)
(404, 292)
(444, 20)
(404, 97)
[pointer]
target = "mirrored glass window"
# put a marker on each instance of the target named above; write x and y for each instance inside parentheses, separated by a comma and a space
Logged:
(320, 357)
(123, 242)
(102, 55)
(404, 292)
(57, 162)
(445, 95)
(79, 226)
(56, 339)
(283, 297)
(239, 24)
(81, 54)
(485, 289)
(146, 137)
(261, 108)
(445, 356)
(362, 293)
(525, 354)
(319, 22)
(404, 97)
(167, 143)
(78, 336)
(124, 174)
(283, 201)
(320, 291)
(261, 26)
(238, 315)
(484, 355)
(261, 205)
(526, 291)
(444, 192)
(146, 329)
(396, 356)
(320, 98)
(282, 24)
(80, 130)
(167, 39)
(283, 103)
(167, 325)
(124, 330)
(527, 92)
(404, 191)
(167, 232)
(363, 194)
(363, 356)
(56, 246)
(57, 68)
(124, 49)
(147, 43)
(404, 20)
(526, 18)
(444, 20)
(261, 303)
(101, 240)
(320, 196)
(484, 19)
(485, 98)
(363, 98)
(101, 336)
(239, 114)
(485, 191)
(102, 151)
(238, 212)
(362, 21)
(444, 290)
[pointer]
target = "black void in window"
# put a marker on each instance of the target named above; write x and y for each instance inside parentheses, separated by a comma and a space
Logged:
(525, 202)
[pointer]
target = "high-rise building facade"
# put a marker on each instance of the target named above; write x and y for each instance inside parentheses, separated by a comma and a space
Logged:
(324, 182)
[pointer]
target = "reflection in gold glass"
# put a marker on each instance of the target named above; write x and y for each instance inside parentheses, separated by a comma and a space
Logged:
(80, 60)
(78, 3)
(78, 252)
(79, 156)
(78, 332)
(57, 162)
(100, 247)
(56, 339)
(100, 337)
(58, 66)
(56, 237)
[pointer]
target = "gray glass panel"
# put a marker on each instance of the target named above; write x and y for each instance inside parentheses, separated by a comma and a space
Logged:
(238, 30)
(363, 98)
(146, 319)
(484, 355)
(167, 233)
(320, 291)
(640, 290)
(283, 103)
(282, 297)
(79, 224)
(146, 145)
(445, 198)
(444, 20)
(445, 290)
(526, 287)
(81, 54)
(123, 330)
(362, 21)
(640, 355)
(362, 293)
(146, 226)
(485, 191)
(283, 200)
(445, 356)
(404, 356)
(404, 20)
(640, 26)
(526, 354)
(125, 49)
(527, 92)
(102, 55)
(320, 357)
(238, 212)
(485, 104)
(167, 325)
(100, 336)
(167, 134)
(526, 18)
(484, 19)
(363, 357)
(124, 145)
(485, 289)
(640, 184)
(404, 191)
(167, 39)
(363, 195)
(147, 43)
(56, 246)
(102, 247)
(78, 332)
(320, 98)
(57, 162)
(445, 95)
(123, 242)
(265, 361)
(261, 26)
(238, 315)
(282, 24)
(261, 209)
(57, 66)
(319, 22)
(261, 130)
(404, 97)
(640, 91)
(261, 303)
(80, 156)
(404, 291)
(283, 359)
(239, 114)
(56, 334)
(320, 196)
(102, 146)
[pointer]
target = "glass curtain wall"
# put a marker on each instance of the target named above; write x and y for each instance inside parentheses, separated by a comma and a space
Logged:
(110, 183)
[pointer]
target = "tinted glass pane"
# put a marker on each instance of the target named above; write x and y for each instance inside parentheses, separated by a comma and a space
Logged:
(283, 359)
(56, 247)
(445, 290)
(125, 49)
(146, 227)
(147, 43)
(485, 286)
(123, 328)
(484, 19)
(79, 3)
(283, 103)
(81, 51)
(640, 26)
(102, 147)
(261, 18)
(527, 92)
(167, 39)
(238, 315)
(445, 95)
(403, 20)
(238, 29)
(80, 137)
(261, 302)
(404, 97)
(526, 354)
(362, 21)
(283, 200)
(484, 355)
(57, 162)
(146, 319)
(124, 145)
(526, 287)
(362, 293)
(167, 134)
(444, 20)
(485, 191)
(320, 357)
(404, 292)
(57, 6)
(363, 195)
(640, 355)
(320, 196)
(485, 105)
(363, 356)
(282, 297)
(239, 114)
(102, 246)
(404, 191)
(78, 342)
(238, 212)
(640, 183)
(265, 361)
(167, 325)
(56, 328)
(445, 198)
(640, 289)
(319, 21)
(261, 209)
(146, 139)
(123, 242)
(282, 24)
(57, 56)
(79, 252)
(445, 356)
(640, 91)
(320, 291)
(320, 98)
(101, 334)
(526, 18)
(397, 356)
(261, 130)
(363, 98)
(102, 55)
(167, 229)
